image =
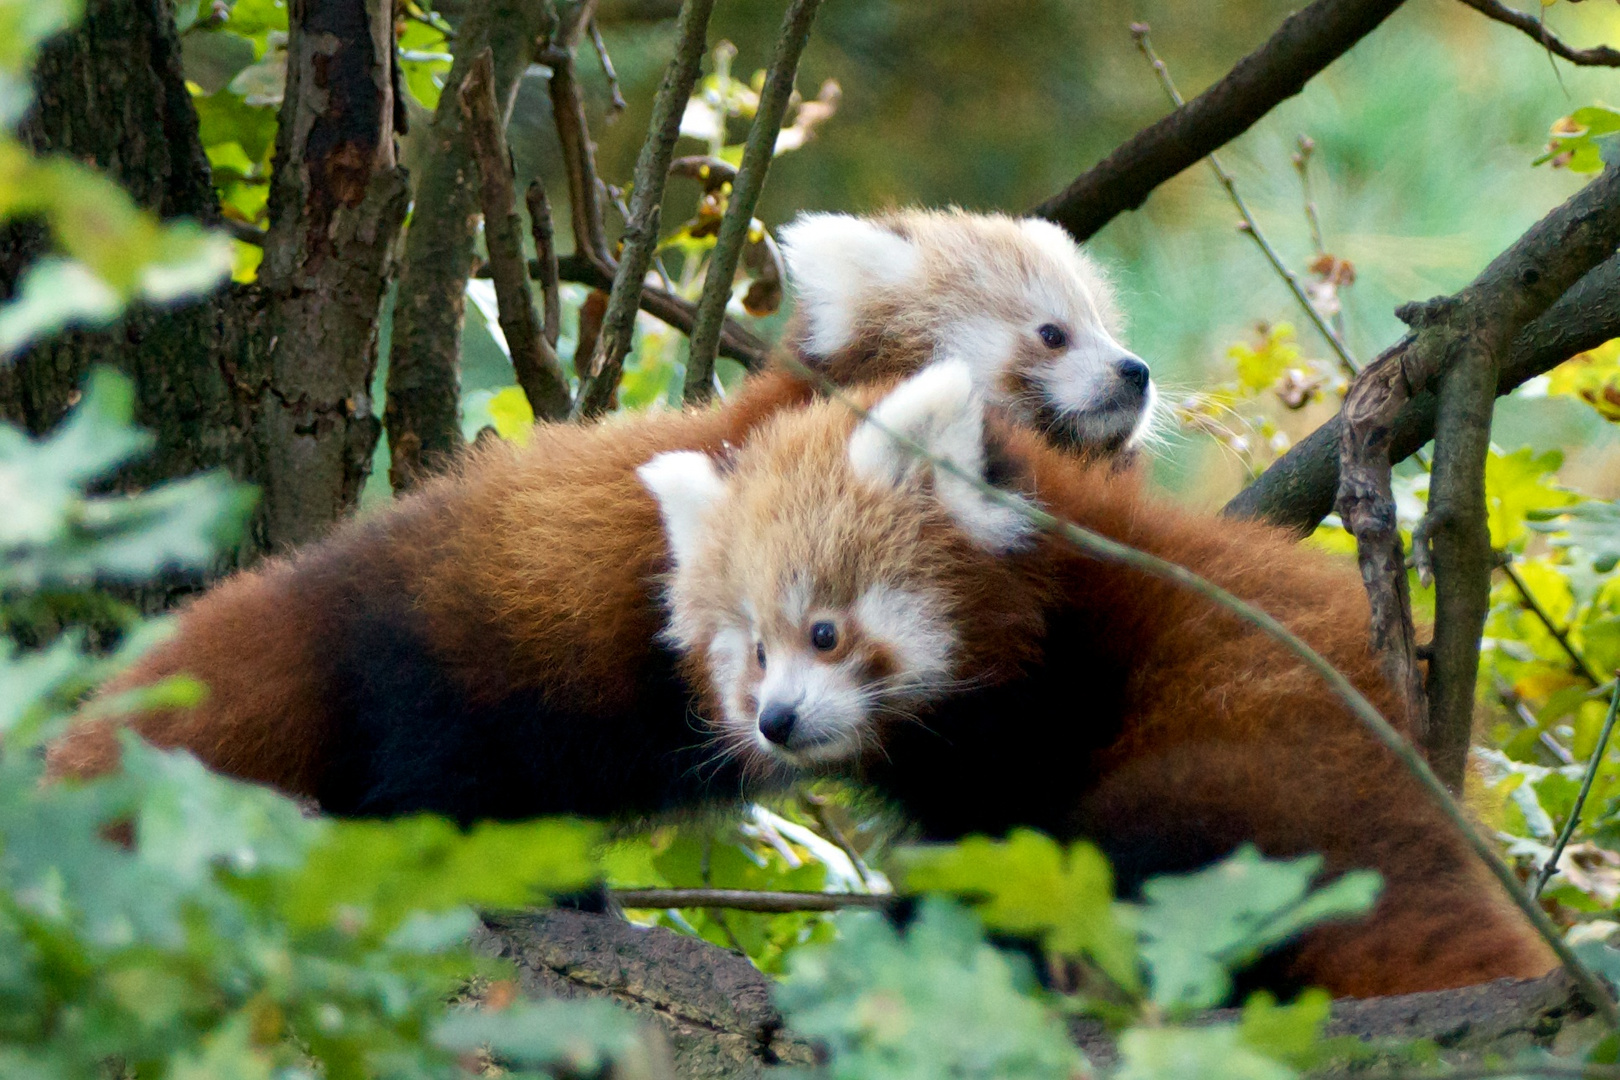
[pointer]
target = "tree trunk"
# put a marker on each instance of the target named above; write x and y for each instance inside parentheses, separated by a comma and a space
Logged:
(268, 381)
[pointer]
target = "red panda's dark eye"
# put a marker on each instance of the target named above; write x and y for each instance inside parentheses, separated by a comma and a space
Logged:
(759, 652)
(824, 636)
(1053, 336)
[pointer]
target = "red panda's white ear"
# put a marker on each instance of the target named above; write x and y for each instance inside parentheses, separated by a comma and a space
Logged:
(687, 486)
(938, 413)
(833, 261)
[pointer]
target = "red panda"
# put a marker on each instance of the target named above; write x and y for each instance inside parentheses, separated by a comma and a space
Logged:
(487, 647)
(848, 608)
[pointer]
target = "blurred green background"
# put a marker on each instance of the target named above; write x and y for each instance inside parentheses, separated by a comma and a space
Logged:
(1425, 136)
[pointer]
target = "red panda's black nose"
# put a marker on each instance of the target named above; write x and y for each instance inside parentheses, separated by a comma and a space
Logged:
(1134, 372)
(776, 722)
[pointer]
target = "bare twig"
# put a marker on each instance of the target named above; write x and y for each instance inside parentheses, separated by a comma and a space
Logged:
(1099, 546)
(1305, 43)
(241, 230)
(599, 376)
(735, 341)
(545, 259)
(1553, 628)
(585, 189)
(746, 900)
(829, 829)
(615, 95)
(739, 216)
(1457, 343)
(1597, 56)
(1297, 491)
(1139, 32)
(1568, 830)
(533, 359)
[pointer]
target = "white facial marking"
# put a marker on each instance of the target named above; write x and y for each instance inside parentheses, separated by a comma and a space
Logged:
(687, 486)
(917, 631)
(833, 261)
(939, 411)
(830, 704)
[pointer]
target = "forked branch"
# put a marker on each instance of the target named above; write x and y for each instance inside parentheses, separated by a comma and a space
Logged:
(1597, 56)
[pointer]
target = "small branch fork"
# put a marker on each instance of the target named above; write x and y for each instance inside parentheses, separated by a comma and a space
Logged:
(1139, 34)
(1457, 344)
(599, 376)
(758, 151)
(1597, 56)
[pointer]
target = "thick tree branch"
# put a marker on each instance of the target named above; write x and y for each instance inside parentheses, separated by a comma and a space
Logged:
(1458, 344)
(599, 377)
(1298, 490)
(758, 151)
(1597, 56)
(424, 391)
(1305, 43)
(533, 360)
(736, 342)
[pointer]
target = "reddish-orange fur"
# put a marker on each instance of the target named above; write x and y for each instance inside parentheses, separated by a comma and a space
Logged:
(529, 566)
(1149, 720)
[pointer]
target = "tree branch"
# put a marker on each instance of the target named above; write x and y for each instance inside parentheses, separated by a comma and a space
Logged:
(1574, 818)
(545, 259)
(585, 190)
(1598, 56)
(599, 377)
(1457, 342)
(747, 900)
(1580, 662)
(533, 359)
(736, 342)
(739, 216)
(424, 391)
(1305, 43)
(1139, 32)
(1298, 490)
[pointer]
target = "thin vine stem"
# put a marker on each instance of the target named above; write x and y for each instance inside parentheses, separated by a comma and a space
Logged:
(1551, 865)
(1139, 33)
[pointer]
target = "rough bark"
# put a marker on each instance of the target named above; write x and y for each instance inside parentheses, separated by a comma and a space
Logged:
(424, 363)
(269, 381)
(337, 201)
(715, 1011)
(1305, 43)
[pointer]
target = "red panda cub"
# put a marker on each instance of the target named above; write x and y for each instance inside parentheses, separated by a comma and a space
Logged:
(849, 608)
(488, 646)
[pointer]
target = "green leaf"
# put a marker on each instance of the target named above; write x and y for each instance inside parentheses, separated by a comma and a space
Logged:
(1197, 928)
(1518, 486)
(1027, 884)
(369, 875)
(55, 294)
(1592, 528)
(1289, 1033)
(1204, 1053)
(936, 1002)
